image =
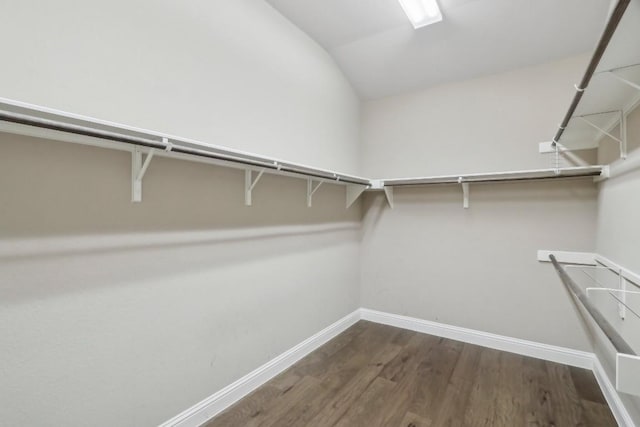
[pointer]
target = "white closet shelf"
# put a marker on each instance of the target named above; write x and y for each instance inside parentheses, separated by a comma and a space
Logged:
(524, 175)
(32, 120)
(611, 295)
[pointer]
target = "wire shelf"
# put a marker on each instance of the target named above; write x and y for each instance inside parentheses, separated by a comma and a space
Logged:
(614, 295)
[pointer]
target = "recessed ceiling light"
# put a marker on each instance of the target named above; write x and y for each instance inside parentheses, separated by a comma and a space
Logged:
(421, 12)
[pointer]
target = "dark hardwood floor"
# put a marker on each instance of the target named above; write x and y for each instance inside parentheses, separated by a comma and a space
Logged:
(376, 375)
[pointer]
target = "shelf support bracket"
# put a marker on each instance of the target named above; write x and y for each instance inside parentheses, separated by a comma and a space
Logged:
(622, 141)
(353, 193)
(138, 169)
(623, 80)
(465, 193)
(622, 305)
(249, 184)
(388, 192)
(311, 189)
(623, 135)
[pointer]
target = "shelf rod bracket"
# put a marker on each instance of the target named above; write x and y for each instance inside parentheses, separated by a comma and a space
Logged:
(145, 165)
(622, 305)
(623, 135)
(249, 184)
(138, 170)
(623, 80)
(388, 192)
(311, 189)
(465, 193)
(622, 141)
(353, 193)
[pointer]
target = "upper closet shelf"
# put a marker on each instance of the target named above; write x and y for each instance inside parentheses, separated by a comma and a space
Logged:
(525, 175)
(26, 119)
(22, 118)
(610, 88)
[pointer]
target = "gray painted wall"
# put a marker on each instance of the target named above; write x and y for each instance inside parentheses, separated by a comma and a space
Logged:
(477, 268)
(429, 258)
(487, 124)
(189, 68)
(121, 314)
(125, 315)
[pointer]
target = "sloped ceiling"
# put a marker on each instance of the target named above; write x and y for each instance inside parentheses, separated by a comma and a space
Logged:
(382, 55)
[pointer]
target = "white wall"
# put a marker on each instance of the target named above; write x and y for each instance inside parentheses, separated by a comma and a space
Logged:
(122, 314)
(486, 124)
(428, 257)
(618, 238)
(618, 226)
(233, 73)
(125, 315)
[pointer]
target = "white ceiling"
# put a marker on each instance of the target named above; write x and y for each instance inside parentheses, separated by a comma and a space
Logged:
(381, 54)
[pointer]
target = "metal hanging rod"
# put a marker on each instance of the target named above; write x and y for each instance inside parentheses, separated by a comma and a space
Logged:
(27, 119)
(605, 38)
(612, 334)
(526, 175)
(176, 145)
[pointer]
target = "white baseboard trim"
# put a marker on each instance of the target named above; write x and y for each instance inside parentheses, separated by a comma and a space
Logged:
(566, 356)
(219, 401)
(611, 395)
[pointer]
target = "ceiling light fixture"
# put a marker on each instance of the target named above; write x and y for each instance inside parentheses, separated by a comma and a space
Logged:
(421, 12)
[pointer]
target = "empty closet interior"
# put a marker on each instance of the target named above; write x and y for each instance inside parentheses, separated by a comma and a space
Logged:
(320, 213)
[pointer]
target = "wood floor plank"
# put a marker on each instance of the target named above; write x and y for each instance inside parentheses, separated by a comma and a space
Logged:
(342, 368)
(598, 414)
(403, 394)
(376, 375)
(567, 404)
(586, 385)
(407, 360)
(481, 409)
(334, 345)
(346, 396)
(459, 388)
(357, 353)
(247, 408)
(270, 414)
(366, 410)
(256, 402)
(509, 399)
(433, 375)
(403, 337)
(341, 346)
(306, 389)
(413, 420)
(537, 394)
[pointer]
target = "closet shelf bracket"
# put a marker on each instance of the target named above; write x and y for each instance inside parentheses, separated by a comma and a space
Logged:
(138, 169)
(465, 193)
(618, 77)
(354, 192)
(622, 140)
(388, 192)
(311, 189)
(249, 184)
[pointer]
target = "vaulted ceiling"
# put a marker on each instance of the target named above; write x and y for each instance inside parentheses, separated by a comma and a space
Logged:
(381, 54)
